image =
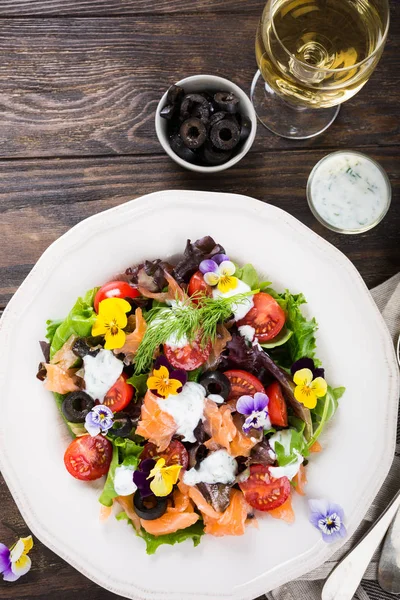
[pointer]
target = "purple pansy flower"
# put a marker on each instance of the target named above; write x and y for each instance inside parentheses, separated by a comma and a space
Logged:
(328, 517)
(178, 374)
(218, 271)
(99, 420)
(140, 477)
(255, 408)
(307, 363)
(15, 562)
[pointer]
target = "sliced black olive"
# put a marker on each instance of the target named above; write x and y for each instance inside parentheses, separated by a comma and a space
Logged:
(225, 134)
(215, 382)
(195, 105)
(211, 156)
(193, 133)
(181, 150)
(175, 94)
(167, 112)
(227, 101)
(197, 453)
(76, 406)
(245, 129)
(82, 348)
(150, 508)
(122, 426)
(200, 433)
(216, 117)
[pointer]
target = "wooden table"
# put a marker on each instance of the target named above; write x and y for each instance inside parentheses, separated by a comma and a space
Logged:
(79, 83)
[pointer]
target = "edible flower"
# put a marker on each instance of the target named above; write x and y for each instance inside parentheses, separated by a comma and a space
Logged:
(164, 478)
(256, 410)
(328, 518)
(165, 380)
(111, 321)
(218, 272)
(141, 477)
(308, 389)
(307, 363)
(15, 562)
(99, 419)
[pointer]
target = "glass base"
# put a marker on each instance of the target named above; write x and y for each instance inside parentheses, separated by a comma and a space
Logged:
(285, 120)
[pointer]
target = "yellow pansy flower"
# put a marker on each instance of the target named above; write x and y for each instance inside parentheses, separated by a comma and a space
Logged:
(160, 382)
(110, 322)
(164, 478)
(307, 389)
(219, 273)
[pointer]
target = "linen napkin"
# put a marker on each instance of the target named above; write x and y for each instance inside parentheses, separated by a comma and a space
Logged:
(309, 587)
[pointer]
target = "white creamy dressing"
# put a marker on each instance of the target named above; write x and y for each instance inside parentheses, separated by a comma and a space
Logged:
(248, 332)
(174, 342)
(123, 481)
(186, 409)
(101, 372)
(218, 467)
(240, 309)
(284, 438)
(349, 191)
(216, 398)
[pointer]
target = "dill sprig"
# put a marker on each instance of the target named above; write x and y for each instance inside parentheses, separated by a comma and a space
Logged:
(184, 319)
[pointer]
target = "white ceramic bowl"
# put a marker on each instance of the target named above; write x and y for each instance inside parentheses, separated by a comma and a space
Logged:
(353, 343)
(204, 83)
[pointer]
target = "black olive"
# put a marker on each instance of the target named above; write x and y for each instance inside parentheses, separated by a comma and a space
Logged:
(181, 150)
(175, 94)
(193, 133)
(216, 117)
(167, 112)
(122, 426)
(195, 105)
(225, 134)
(200, 433)
(227, 101)
(215, 382)
(150, 508)
(211, 156)
(245, 129)
(76, 406)
(82, 348)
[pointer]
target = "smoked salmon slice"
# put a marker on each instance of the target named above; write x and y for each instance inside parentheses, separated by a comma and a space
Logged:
(179, 516)
(284, 512)
(132, 340)
(301, 481)
(60, 381)
(155, 425)
(127, 504)
(224, 433)
(230, 522)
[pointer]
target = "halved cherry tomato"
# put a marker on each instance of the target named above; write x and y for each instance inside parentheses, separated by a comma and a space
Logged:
(266, 316)
(277, 406)
(88, 458)
(114, 289)
(198, 286)
(189, 357)
(243, 383)
(119, 395)
(175, 454)
(262, 491)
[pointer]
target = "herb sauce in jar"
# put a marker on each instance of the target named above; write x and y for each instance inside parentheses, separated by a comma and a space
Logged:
(348, 192)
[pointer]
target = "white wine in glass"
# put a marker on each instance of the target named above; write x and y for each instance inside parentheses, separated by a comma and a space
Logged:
(313, 55)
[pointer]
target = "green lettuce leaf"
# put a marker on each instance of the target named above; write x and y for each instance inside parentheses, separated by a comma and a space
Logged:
(127, 448)
(51, 328)
(324, 411)
(249, 275)
(194, 532)
(283, 336)
(79, 322)
(108, 493)
(139, 382)
(285, 454)
(194, 375)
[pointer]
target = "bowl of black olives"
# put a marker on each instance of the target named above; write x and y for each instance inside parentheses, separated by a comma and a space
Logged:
(205, 123)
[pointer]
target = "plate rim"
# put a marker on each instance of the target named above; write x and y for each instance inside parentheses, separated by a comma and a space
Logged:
(302, 564)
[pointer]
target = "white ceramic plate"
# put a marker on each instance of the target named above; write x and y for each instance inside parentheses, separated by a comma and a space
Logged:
(354, 345)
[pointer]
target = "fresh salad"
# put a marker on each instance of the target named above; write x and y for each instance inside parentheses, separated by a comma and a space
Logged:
(194, 390)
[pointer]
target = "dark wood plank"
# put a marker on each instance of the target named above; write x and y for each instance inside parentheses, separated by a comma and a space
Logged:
(90, 8)
(80, 87)
(42, 199)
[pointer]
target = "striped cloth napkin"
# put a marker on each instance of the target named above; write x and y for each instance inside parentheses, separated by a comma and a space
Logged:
(309, 587)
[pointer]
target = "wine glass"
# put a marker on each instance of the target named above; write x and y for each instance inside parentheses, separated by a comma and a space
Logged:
(313, 55)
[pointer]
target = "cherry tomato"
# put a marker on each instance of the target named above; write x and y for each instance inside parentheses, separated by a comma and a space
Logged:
(88, 458)
(243, 383)
(277, 406)
(189, 357)
(114, 289)
(266, 316)
(175, 454)
(198, 286)
(262, 491)
(119, 395)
